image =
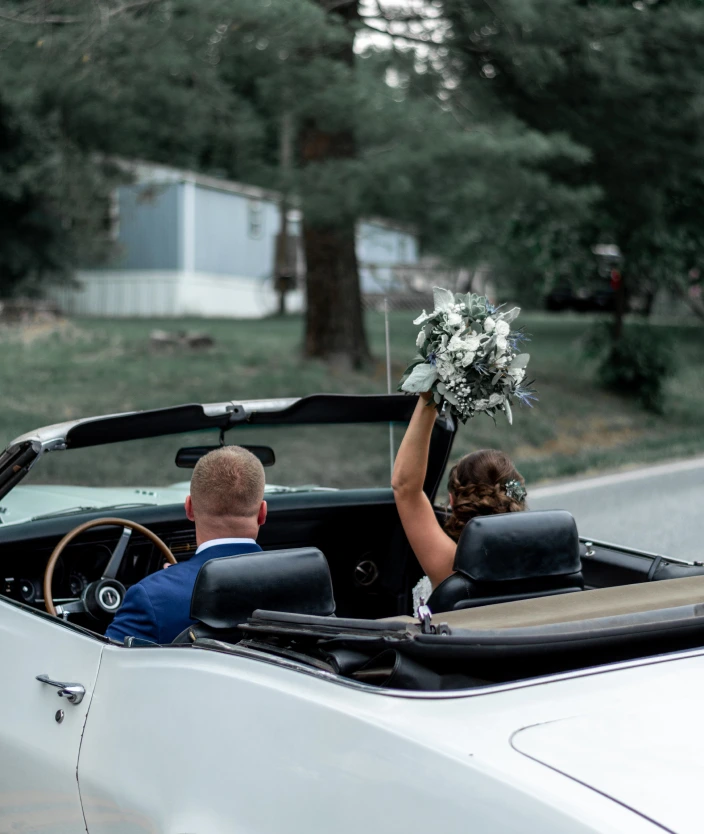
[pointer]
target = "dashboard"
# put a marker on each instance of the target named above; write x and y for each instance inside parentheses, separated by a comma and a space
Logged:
(359, 532)
(83, 561)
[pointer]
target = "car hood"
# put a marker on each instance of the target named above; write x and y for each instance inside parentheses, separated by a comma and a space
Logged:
(26, 502)
(651, 761)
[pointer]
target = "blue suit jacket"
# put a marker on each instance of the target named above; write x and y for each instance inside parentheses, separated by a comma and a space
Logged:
(159, 607)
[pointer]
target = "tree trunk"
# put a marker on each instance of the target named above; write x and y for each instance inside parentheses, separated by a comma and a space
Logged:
(620, 305)
(334, 318)
(284, 270)
(648, 303)
(334, 321)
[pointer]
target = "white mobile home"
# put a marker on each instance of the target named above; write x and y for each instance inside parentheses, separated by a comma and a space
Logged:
(192, 245)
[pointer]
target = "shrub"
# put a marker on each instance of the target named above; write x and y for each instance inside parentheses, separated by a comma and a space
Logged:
(637, 365)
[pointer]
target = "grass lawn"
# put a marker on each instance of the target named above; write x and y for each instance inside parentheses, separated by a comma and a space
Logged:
(91, 366)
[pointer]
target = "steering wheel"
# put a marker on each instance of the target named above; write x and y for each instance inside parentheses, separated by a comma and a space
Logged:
(105, 596)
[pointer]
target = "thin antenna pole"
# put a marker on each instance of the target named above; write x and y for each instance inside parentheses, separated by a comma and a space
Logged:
(388, 381)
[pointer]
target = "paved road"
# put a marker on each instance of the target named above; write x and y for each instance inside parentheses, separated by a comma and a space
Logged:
(658, 508)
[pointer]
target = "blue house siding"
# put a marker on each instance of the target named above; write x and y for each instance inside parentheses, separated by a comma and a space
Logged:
(379, 248)
(234, 234)
(383, 245)
(149, 227)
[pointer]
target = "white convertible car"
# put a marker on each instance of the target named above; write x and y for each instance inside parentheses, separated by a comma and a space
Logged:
(552, 684)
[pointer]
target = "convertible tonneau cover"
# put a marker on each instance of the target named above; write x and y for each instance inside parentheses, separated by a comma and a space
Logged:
(515, 639)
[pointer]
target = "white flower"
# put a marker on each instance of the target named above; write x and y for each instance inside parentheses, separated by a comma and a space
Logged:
(495, 399)
(462, 344)
(472, 341)
(489, 324)
(456, 344)
(423, 317)
(502, 328)
(501, 342)
(517, 373)
(468, 358)
(481, 405)
(454, 320)
(420, 339)
(445, 368)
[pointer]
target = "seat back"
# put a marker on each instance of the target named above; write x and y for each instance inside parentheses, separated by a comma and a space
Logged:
(512, 556)
(229, 589)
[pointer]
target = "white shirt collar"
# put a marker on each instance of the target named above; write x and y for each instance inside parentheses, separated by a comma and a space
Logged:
(214, 542)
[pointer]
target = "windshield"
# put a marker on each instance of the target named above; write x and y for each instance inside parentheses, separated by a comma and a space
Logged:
(143, 472)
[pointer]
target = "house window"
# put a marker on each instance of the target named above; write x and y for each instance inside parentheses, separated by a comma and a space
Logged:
(255, 219)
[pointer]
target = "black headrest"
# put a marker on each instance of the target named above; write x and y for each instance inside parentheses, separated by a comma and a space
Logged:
(522, 545)
(230, 588)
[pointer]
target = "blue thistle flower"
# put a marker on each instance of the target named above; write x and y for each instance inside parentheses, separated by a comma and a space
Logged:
(517, 338)
(526, 396)
(432, 358)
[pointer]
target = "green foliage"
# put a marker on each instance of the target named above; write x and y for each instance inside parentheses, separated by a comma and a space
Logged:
(540, 128)
(206, 85)
(620, 80)
(636, 365)
(52, 205)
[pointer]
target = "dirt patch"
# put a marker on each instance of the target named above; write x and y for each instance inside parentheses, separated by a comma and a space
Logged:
(599, 433)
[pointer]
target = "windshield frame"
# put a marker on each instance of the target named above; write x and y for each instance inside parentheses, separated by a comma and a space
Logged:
(25, 451)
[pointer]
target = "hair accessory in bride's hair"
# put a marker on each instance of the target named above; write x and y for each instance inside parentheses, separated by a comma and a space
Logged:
(515, 489)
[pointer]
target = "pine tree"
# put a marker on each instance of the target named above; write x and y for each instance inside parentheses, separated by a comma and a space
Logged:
(621, 80)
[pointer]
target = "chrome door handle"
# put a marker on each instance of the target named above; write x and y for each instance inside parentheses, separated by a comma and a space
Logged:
(73, 692)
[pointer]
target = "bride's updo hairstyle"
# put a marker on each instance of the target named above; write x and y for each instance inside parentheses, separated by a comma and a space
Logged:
(478, 486)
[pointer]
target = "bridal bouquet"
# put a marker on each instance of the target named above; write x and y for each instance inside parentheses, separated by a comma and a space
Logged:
(469, 357)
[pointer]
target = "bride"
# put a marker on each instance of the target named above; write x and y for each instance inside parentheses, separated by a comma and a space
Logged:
(481, 483)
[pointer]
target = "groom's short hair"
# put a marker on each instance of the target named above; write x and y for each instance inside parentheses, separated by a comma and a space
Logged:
(227, 482)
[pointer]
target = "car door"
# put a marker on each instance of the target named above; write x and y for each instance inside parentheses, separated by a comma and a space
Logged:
(40, 730)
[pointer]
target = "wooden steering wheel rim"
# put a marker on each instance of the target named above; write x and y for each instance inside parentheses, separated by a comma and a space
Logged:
(96, 522)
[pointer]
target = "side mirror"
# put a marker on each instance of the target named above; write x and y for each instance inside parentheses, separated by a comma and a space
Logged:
(188, 456)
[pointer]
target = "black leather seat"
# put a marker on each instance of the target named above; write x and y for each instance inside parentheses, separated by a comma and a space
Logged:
(512, 556)
(229, 589)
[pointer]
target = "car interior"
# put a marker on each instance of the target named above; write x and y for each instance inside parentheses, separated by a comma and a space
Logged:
(331, 593)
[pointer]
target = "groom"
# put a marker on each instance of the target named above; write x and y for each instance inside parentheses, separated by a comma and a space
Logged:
(228, 508)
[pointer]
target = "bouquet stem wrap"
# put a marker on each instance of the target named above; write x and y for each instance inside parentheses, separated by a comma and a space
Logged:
(469, 357)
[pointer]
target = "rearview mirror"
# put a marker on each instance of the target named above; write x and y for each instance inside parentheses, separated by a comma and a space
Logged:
(189, 456)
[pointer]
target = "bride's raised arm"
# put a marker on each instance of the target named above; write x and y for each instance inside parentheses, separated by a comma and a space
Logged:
(433, 548)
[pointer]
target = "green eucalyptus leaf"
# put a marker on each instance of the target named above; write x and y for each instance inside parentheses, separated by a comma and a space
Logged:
(443, 299)
(420, 379)
(511, 315)
(417, 360)
(520, 361)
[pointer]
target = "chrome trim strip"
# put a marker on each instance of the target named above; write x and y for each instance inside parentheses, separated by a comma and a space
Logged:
(620, 548)
(492, 689)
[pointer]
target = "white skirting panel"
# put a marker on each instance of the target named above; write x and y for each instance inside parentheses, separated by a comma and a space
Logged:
(170, 294)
